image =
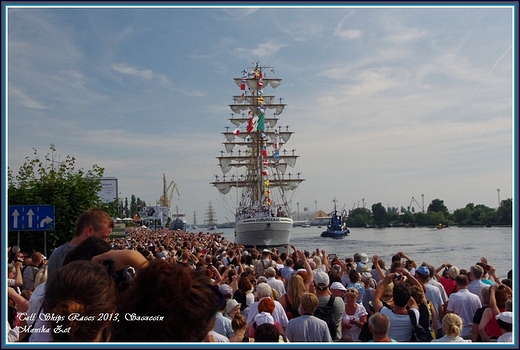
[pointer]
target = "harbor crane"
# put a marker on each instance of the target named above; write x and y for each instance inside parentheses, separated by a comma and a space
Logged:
(167, 196)
(415, 200)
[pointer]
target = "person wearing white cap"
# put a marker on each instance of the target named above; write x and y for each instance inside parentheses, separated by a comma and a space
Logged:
(338, 290)
(363, 260)
(321, 283)
(505, 322)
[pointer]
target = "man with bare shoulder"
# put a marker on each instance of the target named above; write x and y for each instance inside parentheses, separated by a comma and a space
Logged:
(93, 222)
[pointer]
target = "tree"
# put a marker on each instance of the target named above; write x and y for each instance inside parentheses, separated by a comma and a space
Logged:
(70, 190)
(505, 212)
(437, 205)
(379, 214)
(359, 217)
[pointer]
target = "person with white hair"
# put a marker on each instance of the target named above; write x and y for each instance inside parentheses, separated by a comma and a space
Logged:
(263, 290)
(273, 282)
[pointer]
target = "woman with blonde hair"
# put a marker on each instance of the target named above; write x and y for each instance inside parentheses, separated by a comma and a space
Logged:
(319, 263)
(354, 317)
(451, 327)
(291, 300)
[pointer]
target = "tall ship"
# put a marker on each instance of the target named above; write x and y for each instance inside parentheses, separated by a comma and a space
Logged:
(210, 217)
(255, 162)
(194, 225)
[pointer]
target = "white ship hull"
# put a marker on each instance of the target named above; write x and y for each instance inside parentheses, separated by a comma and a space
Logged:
(263, 232)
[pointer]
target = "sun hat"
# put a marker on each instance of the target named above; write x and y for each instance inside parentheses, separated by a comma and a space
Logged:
(264, 317)
(266, 251)
(231, 304)
(321, 279)
(364, 258)
(505, 316)
(337, 286)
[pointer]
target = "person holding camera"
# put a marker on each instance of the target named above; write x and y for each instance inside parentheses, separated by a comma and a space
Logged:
(488, 327)
(447, 279)
(400, 325)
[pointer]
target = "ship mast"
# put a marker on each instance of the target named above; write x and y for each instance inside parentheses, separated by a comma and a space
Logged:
(264, 163)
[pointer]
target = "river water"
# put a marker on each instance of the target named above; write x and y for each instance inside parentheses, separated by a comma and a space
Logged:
(461, 246)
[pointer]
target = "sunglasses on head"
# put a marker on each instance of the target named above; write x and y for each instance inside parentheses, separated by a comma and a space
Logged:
(350, 290)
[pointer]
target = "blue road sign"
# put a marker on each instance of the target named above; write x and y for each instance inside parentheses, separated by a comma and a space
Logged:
(31, 217)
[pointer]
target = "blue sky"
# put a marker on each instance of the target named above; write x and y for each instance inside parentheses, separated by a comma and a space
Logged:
(386, 103)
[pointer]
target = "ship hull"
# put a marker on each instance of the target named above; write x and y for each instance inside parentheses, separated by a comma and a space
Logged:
(335, 233)
(263, 232)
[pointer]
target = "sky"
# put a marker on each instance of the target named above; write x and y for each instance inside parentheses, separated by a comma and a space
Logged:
(386, 103)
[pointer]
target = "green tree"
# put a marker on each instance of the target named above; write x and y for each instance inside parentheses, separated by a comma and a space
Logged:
(133, 205)
(505, 212)
(462, 216)
(70, 190)
(407, 218)
(392, 219)
(359, 217)
(379, 214)
(437, 205)
(436, 217)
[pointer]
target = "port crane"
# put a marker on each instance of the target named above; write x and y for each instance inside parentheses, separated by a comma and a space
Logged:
(419, 205)
(167, 196)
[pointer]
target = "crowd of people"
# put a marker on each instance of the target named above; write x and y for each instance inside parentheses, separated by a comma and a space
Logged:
(163, 285)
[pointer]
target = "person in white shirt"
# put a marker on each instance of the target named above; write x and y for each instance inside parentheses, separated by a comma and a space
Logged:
(505, 322)
(464, 303)
(273, 282)
(451, 327)
(263, 290)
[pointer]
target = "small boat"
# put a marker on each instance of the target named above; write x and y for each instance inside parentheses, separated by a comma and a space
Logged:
(258, 153)
(337, 227)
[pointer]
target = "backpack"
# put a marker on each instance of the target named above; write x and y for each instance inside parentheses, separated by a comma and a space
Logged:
(365, 334)
(325, 313)
(419, 334)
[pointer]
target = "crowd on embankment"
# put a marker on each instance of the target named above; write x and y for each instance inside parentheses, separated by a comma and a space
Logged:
(173, 286)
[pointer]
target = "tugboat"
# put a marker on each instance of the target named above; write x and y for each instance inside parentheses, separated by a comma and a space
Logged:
(337, 227)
